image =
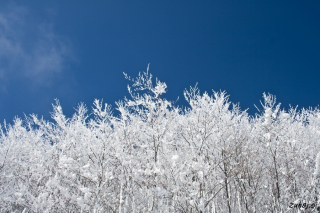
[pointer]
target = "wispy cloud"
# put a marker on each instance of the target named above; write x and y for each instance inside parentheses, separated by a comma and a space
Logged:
(30, 48)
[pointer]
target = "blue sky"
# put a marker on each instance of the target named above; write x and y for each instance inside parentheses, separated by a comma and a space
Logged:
(76, 51)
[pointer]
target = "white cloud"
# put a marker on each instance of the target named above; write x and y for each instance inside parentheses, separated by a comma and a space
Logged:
(30, 48)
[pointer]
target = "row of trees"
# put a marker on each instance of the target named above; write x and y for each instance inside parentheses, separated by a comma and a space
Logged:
(157, 157)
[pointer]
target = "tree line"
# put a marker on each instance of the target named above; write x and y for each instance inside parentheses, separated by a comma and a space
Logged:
(157, 157)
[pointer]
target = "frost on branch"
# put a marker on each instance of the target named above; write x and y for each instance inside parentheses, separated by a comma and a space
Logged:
(144, 82)
(157, 157)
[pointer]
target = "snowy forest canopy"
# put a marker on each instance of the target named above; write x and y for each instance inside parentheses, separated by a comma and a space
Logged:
(157, 157)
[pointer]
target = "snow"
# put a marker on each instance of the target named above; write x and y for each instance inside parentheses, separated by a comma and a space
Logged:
(155, 155)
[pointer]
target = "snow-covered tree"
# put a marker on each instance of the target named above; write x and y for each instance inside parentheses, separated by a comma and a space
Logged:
(156, 157)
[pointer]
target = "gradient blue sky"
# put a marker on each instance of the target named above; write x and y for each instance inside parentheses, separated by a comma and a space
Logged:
(76, 51)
